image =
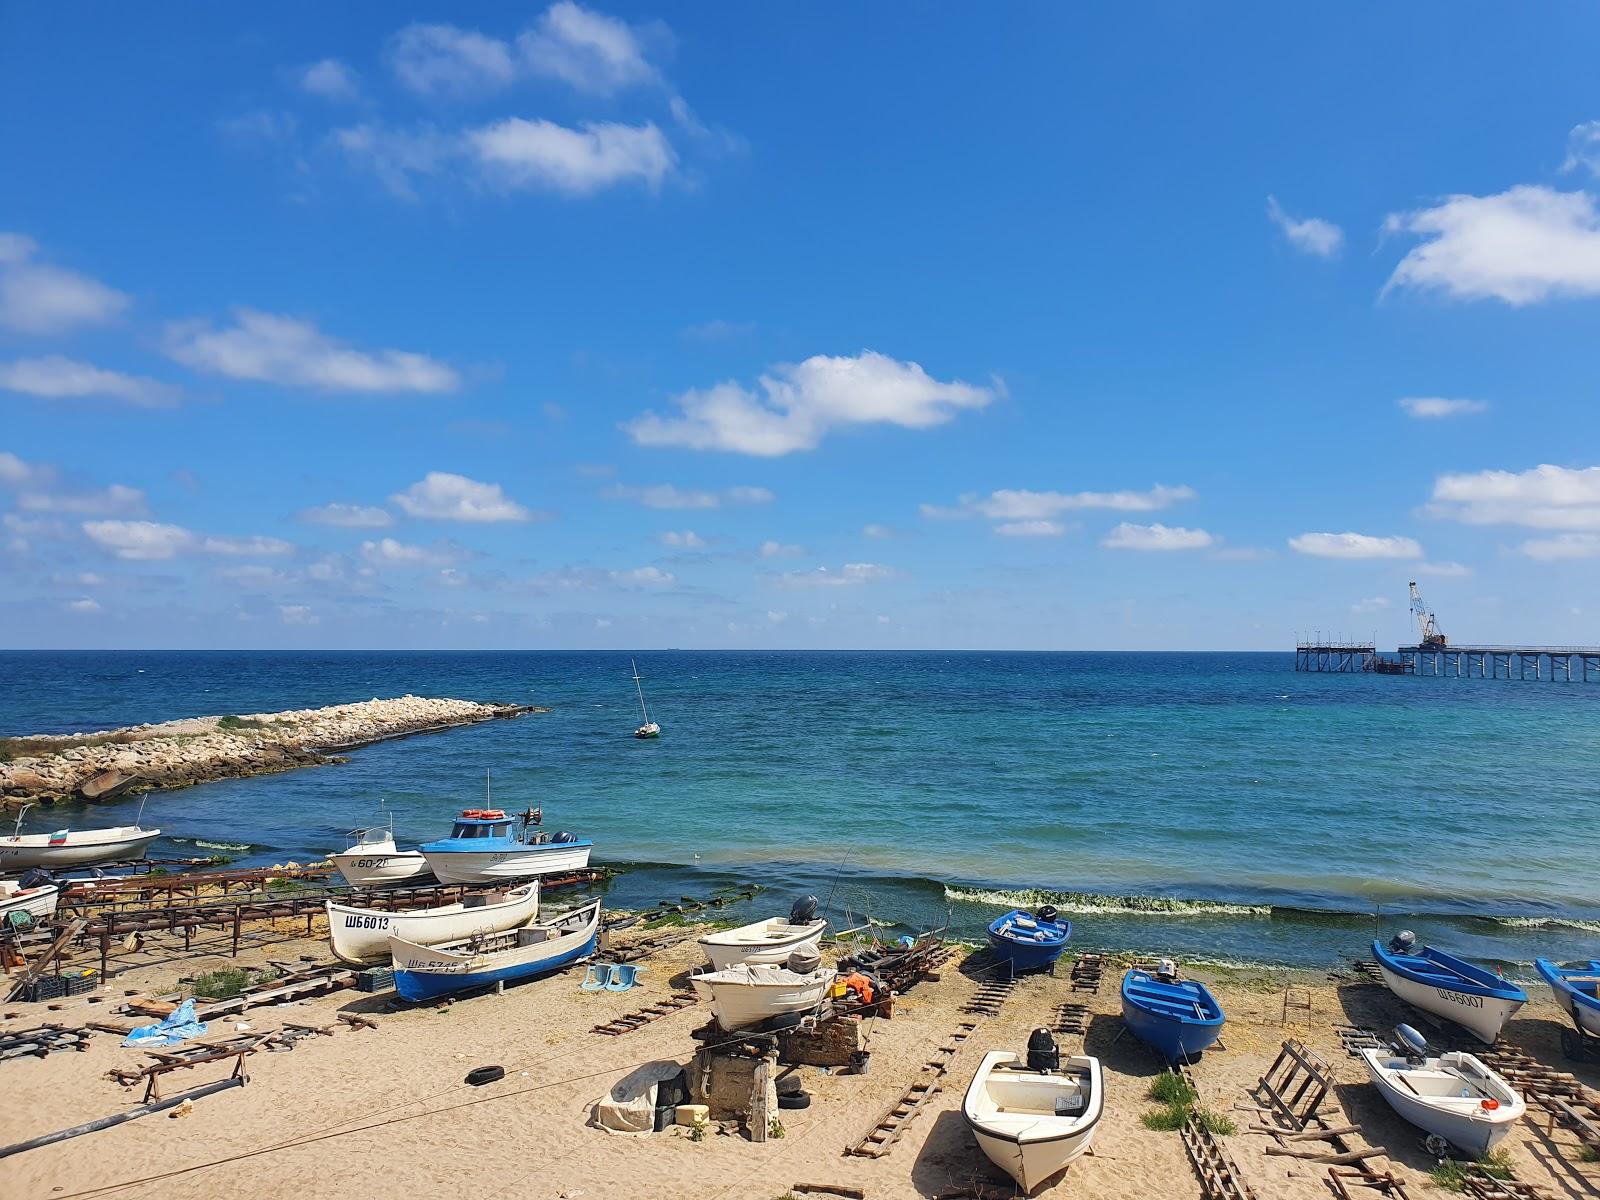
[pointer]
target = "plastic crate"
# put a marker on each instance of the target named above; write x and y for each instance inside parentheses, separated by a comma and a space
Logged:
(51, 987)
(82, 982)
(378, 979)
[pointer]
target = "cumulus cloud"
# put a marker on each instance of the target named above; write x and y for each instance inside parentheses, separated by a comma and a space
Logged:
(669, 496)
(849, 575)
(17, 473)
(644, 576)
(1563, 546)
(1583, 148)
(268, 348)
(1521, 246)
(589, 51)
(1545, 497)
(1445, 569)
(297, 614)
(116, 500)
(1310, 235)
(441, 496)
(877, 532)
(140, 541)
(435, 60)
(1370, 604)
(1354, 545)
(84, 604)
(349, 516)
(247, 547)
(1036, 528)
(330, 79)
(56, 377)
(1128, 536)
(688, 539)
(388, 552)
(518, 152)
(800, 403)
(1022, 505)
(40, 298)
(1434, 407)
(772, 549)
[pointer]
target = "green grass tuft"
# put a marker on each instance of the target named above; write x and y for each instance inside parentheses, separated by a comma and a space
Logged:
(223, 984)
(1166, 1119)
(1452, 1174)
(1214, 1122)
(1171, 1088)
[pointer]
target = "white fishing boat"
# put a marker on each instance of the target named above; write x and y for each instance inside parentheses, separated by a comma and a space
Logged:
(771, 941)
(482, 849)
(1437, 982)
(72, 847)
(373, 860)
(424, 972)
(1452, 1097)
(38, 902)
(361, 935)
(649, 729)
(1033, 1116)
(744, 996)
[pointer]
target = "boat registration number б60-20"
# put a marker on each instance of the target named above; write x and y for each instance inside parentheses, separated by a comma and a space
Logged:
(1460, 998)
(371, 864)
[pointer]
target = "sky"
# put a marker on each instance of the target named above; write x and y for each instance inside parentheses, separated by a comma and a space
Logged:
(1035, 326)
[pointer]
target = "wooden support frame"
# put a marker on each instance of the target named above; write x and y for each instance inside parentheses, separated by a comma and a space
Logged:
(1296, 1084)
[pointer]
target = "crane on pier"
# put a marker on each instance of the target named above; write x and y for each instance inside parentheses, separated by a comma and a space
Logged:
(1432, 635)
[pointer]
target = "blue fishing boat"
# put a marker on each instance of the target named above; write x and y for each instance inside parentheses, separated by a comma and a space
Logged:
(481, 848)
(1176, 1017)
(1577, 990)
(538, 948)
(1475, 998)
(1029, 941)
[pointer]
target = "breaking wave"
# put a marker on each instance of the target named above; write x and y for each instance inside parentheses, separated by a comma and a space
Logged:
(1090, 902)
(1547, 923)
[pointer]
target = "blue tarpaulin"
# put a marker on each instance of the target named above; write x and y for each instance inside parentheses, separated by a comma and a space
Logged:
(179, 1027)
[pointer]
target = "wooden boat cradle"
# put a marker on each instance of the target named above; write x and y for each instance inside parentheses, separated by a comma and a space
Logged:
(1295, 1085)
(641, 1017)
(1087, 972)
(195, 1054)
(1072, 1019)
(886, 1131)
(1562, 1096)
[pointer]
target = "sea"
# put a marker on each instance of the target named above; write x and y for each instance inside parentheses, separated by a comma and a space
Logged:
(1210, 807)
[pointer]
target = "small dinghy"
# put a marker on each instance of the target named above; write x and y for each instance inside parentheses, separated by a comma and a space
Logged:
(1177, 1017)
(1476, 999)
(1029, 941)
(72, 848)
(361, 935)
(767, 942)
(35, 896)
(746, 996)
(1453, 1098)
(423, 972)
(1032, 1117)
(1577, 990)
(373, 860)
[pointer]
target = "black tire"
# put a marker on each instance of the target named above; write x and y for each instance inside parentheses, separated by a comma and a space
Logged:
(1571, 1046)
(798, 1100)
(479, 1076)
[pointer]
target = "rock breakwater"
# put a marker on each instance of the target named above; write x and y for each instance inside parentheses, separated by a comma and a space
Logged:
(88, 766)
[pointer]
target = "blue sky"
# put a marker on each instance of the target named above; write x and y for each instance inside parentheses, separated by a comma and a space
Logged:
(775, 325)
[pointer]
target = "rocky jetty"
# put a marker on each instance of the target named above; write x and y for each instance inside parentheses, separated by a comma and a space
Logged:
(87, 766)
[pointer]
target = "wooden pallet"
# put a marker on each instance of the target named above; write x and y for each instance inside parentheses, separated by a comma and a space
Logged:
(886, 1131)
(1072, 1019)
(1087, 973)
(1368, 970)
(1562, 1096)
(1356, 1038)
(1219, 1174)
(643, 1016)
(41, 1040)
(990, 996)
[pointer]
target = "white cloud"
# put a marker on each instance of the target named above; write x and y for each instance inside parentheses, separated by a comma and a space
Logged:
(57, 377)
(140, 541)
(1563, 546)
(587, 50)
(669, 496)
(349, 516)
(297, 614)
(1371, 604)
(1016, 504)
(1354, 545)
(1311, 235)
(1524, 245)
(800, 403)
(943, 512)
(84, 605)
(1583, 148)
(332, 80)
(877, 532)
(688, 539)
(387, 552)
(1128, 536)
(16, 473)
(518, 152)
(850, 575)
(1427, 407)
(647, 576)
(441, 496)
(247, 547)
(1545, 497)
(777, 617)
(269, 348)
(1446, 570)
(780, 550)
(1037, 528)
(39, 298)
(253, 575)
(116, 500)
(444, 60)
(396, 155)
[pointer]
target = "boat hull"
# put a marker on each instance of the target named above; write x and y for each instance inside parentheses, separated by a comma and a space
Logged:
(1481, 1016)
(493, 866)
(1476, 1131)
(35, 850)
(741, 998)
(1582, 1006)
(1031, 1151)
(727, 949)
(1014, 939)
(415, 984)
(1176, 1037)
(365, 869)
(39, 902)
(424, 973)
(361, 935)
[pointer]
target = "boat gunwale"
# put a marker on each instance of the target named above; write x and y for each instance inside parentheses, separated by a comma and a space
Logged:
(1097, 1099)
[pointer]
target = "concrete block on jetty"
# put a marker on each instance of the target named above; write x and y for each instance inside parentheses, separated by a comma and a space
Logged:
(86, 766)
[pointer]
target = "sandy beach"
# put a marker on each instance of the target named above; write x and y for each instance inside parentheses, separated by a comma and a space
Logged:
(386, 1110)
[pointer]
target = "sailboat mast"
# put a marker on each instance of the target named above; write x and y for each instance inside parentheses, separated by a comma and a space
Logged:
(640, 686)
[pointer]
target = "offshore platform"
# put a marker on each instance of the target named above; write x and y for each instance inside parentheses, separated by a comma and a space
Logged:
(1435, 654)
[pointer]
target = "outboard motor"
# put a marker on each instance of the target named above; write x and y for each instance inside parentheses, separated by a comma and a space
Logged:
(1403, 942)
(803, 911)
(35, 877)
(804, 962)
(1167, 971)
(564, 836)
(1411, 1043)
(1046, 913)
(1043, 1054)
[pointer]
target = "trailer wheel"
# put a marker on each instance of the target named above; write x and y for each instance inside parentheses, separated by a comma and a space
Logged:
(1571, 1046)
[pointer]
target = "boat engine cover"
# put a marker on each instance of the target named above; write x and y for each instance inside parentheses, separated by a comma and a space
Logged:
(1403, 942)
(1412, 1041)
(803, 911)
(1047, 913)
(564, 836)
(1043, 1054)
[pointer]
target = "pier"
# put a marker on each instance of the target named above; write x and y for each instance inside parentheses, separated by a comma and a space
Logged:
(1329, 655)
(1565, 663)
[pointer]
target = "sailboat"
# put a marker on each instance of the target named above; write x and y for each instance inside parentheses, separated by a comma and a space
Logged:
(649, 729)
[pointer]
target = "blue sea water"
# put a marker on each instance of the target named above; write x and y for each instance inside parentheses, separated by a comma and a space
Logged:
(1201, 805)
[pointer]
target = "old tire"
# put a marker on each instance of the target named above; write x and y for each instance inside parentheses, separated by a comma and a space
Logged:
(795, 1101)
(479, 1076)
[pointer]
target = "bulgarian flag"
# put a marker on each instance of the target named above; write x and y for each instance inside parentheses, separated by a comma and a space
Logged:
(58, 838)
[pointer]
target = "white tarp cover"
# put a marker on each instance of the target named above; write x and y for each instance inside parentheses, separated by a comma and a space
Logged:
(630, 1105)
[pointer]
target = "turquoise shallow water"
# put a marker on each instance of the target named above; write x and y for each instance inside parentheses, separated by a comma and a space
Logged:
(1201, 804)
